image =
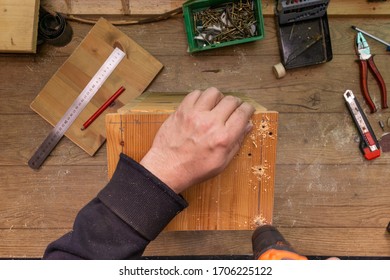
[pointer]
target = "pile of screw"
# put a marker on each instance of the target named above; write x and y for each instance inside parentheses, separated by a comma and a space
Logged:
(232, 21)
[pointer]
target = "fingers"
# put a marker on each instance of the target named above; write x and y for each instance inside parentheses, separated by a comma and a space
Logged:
(190, 100)
(238, 122)
(208, 99)
(226, 107)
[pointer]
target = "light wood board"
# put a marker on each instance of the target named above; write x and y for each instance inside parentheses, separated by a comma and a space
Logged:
(135, 72)
(230, 201)
(18, 25)
(145, 7)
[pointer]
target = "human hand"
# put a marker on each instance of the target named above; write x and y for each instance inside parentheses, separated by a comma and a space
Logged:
(199, 140)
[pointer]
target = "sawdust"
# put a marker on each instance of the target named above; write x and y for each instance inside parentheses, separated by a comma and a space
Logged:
(241, 56)
(259, 221)
(263, 131)
(339, 136)
(261, 171)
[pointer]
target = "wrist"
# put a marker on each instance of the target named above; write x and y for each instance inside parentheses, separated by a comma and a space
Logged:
(167, 173)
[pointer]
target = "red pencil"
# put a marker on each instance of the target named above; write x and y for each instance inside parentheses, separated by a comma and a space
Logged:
(103, 107)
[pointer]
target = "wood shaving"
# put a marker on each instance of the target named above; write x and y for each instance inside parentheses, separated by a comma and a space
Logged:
(259, 170)
(259, 221)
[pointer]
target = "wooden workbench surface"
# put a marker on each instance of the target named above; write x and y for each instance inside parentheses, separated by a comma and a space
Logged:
(328, 199)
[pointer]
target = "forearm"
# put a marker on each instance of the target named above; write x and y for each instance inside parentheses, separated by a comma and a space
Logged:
(127, 214)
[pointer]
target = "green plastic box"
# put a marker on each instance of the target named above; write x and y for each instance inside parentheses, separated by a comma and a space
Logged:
(194, 6)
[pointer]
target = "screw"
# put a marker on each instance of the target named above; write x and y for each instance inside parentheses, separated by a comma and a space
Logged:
(235, 20)
(382, 125)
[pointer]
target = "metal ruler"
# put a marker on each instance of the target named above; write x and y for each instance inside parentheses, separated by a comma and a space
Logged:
(75, 109)
(369, 145)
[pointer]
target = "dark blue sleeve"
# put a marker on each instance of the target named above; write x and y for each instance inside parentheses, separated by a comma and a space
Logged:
(119, 223)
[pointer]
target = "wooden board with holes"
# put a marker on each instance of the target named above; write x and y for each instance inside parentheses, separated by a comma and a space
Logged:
(18, 26)
(135, 72)
(232, 200)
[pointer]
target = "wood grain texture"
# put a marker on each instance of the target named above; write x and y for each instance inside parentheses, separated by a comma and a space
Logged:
(307, 241)
(18, 26)
(25, 243)
(51, 203)
(142, 7)
(135, 72)
(231, 200)
(298, 202)
(122, 7)
(328, 199)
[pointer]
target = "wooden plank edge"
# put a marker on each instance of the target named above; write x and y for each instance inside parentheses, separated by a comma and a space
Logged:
(35, 27)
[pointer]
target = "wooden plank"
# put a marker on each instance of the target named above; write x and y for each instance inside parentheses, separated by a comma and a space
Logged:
(121, 7)
(30, 243)
(307, 241)
(291, 94)
(26, 243)
(146, 7)
(135, 73)
(47, 199)
(325, 139)
(247, 67)
(341, 34)
(18, 26)
(168, 102)
(231, 200)
(28, 210)
(337, 195)
(332, 138)
(345, 195)
(25, 133)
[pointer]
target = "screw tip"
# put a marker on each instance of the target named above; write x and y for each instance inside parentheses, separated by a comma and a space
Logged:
(353, 27)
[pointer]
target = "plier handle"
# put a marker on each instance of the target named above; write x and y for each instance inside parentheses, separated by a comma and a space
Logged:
(367, 62)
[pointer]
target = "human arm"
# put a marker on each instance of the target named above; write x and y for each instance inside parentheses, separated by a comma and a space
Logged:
(124, 217)
(194, 143)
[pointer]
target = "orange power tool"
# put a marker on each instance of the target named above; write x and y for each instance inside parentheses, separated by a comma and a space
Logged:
(269, 244)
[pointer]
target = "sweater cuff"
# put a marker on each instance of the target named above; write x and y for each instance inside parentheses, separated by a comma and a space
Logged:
(140, 199)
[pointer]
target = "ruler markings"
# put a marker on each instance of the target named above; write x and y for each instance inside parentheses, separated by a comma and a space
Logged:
(76, 108)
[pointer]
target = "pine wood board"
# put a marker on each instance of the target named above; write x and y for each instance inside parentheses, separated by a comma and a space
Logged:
(146, 7)
(18, 26)
(230, 201)
(135, 72)
(168, 102)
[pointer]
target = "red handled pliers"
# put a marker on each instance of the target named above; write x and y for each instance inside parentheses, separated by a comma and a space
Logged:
(367, 61)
